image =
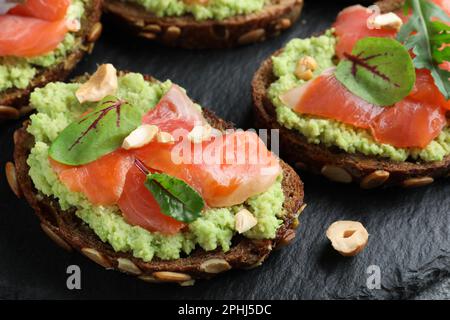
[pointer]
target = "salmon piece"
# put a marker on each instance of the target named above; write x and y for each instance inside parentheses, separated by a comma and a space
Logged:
(28, 37)
(444, 4)
(409, 124)
(351, 26)
(50, 10)
(101, 181)
(326, 97)
(425, 90)
(140, 208)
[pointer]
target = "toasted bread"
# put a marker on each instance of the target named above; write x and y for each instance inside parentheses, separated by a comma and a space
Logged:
(12, 101)
(333, 163)
(68, 231)
(189, 33)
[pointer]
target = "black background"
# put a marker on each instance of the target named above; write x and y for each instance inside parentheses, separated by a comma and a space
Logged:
(409, 229)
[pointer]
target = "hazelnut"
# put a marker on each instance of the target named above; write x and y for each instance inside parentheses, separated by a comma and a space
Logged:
(140, 136)
(102, 83)
(389, 21)
(348, 237)
(244, 220)
(305, 68)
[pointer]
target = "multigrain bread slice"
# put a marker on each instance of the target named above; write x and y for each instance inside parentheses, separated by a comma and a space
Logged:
(68, 231)
(333, 163)
(189, 33)
(14, 102)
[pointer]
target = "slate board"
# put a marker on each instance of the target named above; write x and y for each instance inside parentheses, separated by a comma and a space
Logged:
(409, 229)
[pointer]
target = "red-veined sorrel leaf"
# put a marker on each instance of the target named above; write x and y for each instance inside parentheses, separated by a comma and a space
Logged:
(97, 133)
(379, 70)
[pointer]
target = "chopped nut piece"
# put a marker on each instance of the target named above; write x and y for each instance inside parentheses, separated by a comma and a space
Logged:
(73, 25)
(140, 136)
(200, 133)
(165, 137)
(244, 221)
(389, 21)
(102, 83)
(305, 68)
(348, 237)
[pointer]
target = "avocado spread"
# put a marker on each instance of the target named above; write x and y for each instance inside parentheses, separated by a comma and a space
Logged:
(330, 132)
(17, 72)
(57, 107)
(213, 9)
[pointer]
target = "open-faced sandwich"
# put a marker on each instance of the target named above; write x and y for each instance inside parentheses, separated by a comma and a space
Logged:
(367, 100)
(134, 175)
(206, 23)
(41, 41)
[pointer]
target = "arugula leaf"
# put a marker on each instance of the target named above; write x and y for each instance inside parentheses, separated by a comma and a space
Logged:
(175, 197)
(96, 134)
(426, 38)
(379, 70)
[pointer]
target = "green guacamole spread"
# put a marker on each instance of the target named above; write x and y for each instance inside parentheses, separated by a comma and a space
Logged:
(18, 72)
(214, 9)
(57, 107)
(331, 132)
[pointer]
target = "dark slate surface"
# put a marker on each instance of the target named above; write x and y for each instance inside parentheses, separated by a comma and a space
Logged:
(409, 229)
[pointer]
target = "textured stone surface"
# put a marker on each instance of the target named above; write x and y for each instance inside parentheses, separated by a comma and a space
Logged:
(409, 229)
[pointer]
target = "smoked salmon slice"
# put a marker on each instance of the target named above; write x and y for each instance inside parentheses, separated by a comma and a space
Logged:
(226, 170)
(409, 124)
(326, 97)
(50, 10)
(139, 207)
(101, 181)
(351, 26)
(413, 122)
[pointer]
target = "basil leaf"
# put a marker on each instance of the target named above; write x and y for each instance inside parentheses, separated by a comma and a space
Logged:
(96, 134)
(425, 37)
(379, 70)
(175, 197)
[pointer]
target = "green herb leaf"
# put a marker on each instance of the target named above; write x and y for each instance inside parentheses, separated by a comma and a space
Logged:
(379, 70)
(426, 38)
(175, 197)
(96, 134)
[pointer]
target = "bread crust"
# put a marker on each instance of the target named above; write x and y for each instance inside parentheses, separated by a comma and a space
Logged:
(14, 101)
(186, 32)
(334, 163)
(68, 231)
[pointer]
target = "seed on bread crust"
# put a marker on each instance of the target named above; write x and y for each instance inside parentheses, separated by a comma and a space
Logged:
(169, 276)
(417, 182)
(97, 257)
(57, 239)
(95, 32)
(375, 179)
(277, 15)
(11, 177)
(252, 36)
(9, 112)
(126, 265)
(172, 33)
(215, 266)
(336, 174)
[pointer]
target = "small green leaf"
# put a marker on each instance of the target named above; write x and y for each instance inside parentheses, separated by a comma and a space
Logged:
(96, 134)
(425, 37)
(175, 197)
(379, 70)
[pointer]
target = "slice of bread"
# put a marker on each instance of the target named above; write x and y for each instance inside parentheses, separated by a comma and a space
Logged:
(68, 231)
(12, 101)
(333, 163)
(187, 32)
